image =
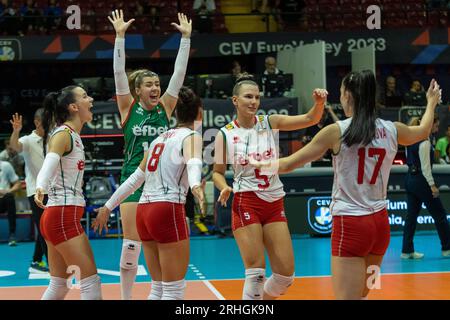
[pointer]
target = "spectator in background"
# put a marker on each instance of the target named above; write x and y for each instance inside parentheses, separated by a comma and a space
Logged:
(15, 159)
(209, 5)
(416, 96)
(32, 148)
(421, 188)
(236, 70)
(9, 183)
(291, 12)
(152, 11)
(441, 151)
(30, 16)
(53, 12)
(272, 84)
(8, 25)
(204, 9)
(390, 96)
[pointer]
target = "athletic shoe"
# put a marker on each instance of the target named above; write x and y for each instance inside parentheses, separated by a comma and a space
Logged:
(12, 241)
(38, 267)
(413, 255)
(446, 253)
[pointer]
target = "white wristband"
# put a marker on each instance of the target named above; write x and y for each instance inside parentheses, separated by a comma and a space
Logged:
(194, 170)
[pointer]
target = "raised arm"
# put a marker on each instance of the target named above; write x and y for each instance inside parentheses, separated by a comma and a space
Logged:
(124, 97)
(170, 97)
(16, 123)
(312, 117)
(407, 135)
(220, 166)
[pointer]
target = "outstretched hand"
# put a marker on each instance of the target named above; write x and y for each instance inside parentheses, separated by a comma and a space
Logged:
(185, 26)
(434, 93)
(118, 22)
(101, 221)
(320, 96)
(16, 122)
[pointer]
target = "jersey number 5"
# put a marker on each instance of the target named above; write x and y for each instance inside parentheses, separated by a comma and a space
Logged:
(263, 177)
(362, 159)
(154, 159)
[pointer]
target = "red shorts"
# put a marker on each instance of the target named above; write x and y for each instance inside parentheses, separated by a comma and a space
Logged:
(359, 236)
(163, 222)
(248, 208)
(61, 223)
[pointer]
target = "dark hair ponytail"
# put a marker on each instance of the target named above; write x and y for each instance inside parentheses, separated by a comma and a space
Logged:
(55, 110)
(187, 106)
(362, 86)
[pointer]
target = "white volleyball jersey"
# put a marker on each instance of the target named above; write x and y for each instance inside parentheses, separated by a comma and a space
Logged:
(361, 174)
(259, 143)
(65, 189)
(166, 176)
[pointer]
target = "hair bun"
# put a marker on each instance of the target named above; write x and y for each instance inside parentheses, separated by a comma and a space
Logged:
(244, 77)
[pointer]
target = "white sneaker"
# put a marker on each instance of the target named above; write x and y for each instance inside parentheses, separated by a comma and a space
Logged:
(446, 253)
(413, 255)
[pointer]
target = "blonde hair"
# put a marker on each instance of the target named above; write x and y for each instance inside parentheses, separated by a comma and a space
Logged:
(135, 79)
(243, 78)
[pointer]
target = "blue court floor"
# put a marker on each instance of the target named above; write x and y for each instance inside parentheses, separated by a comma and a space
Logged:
(215, 258)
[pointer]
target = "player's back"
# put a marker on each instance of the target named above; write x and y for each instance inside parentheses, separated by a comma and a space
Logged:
(165, 171)
(361, 173)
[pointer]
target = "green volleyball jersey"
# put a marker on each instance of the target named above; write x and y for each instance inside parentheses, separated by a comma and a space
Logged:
(140, 128)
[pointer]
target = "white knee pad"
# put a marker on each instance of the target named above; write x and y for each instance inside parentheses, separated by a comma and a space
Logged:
(157, 291)
(57, 289)
(130, 254)
(173, 290)
(254, 284)
(277, 284)
(91, 288)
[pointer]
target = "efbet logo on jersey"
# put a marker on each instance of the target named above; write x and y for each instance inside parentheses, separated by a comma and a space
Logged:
(148, 130)
(319, 215)
(80, 165)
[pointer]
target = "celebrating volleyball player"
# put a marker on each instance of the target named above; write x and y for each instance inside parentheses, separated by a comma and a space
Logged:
(143, 119)
(172, 165)
(258, 218)
(364, 148)
(61, 177)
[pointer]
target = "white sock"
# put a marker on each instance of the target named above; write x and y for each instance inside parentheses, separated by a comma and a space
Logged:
(156, 291)
(91, 288)
(254, 284)
(173, 290)
(56, 290)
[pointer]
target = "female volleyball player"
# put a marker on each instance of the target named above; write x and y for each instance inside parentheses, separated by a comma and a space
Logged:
(61, 177)
(258, 218)
(172, 165)
(364, 148)
(143, 119)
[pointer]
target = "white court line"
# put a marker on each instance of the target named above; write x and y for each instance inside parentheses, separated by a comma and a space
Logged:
(213, 290)
(114, 283)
